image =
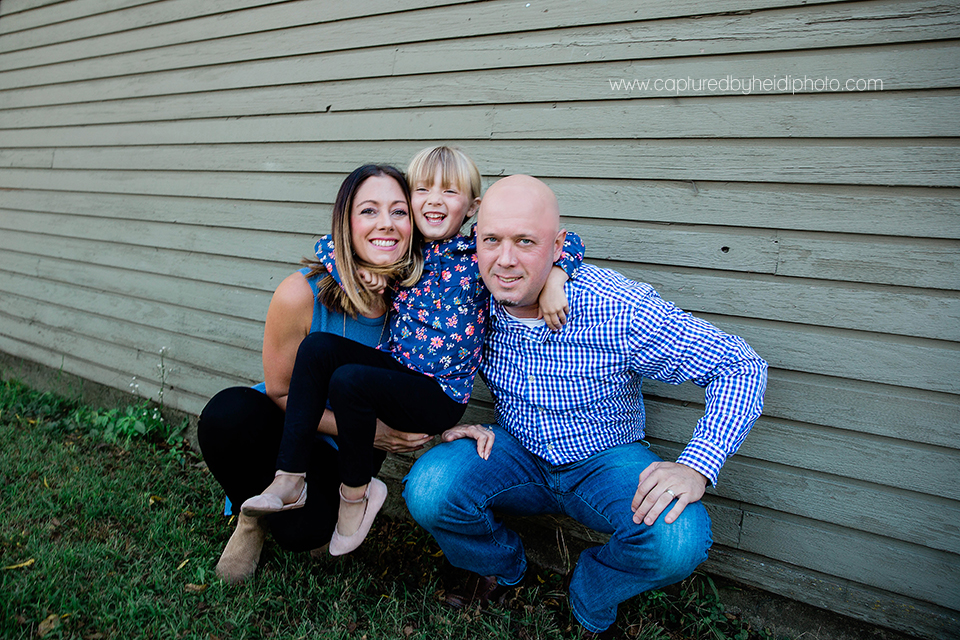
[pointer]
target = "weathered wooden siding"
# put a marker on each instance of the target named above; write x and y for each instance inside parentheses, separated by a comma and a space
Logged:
(164, 163)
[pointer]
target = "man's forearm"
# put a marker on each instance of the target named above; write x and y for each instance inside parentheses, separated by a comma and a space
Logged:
(734, 401)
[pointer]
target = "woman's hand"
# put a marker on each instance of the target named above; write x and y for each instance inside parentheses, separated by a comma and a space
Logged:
(372, 281)
(553, 300)
(482, 434)
(393, 441)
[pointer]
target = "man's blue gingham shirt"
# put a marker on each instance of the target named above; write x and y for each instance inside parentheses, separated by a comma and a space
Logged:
(570, 394)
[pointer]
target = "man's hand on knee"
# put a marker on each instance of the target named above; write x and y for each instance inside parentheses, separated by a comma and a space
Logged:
(660, 484)
(483, 434)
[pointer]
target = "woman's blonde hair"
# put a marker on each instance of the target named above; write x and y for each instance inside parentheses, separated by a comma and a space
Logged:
(350, 296)
(457, 169)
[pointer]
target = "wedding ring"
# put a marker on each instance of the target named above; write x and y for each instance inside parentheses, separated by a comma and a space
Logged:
(671, 493)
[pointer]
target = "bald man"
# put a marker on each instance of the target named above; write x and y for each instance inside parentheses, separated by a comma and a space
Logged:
(570, 421)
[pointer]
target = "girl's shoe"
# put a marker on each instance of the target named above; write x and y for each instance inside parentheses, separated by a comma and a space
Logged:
(375, 496)
(267, 503)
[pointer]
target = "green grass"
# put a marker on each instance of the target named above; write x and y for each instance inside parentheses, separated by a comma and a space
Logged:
(110, 528)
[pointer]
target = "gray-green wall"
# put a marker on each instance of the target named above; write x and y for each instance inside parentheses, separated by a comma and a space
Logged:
(164, 164)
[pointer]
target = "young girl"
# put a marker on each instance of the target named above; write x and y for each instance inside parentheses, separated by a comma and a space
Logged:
(423, 382)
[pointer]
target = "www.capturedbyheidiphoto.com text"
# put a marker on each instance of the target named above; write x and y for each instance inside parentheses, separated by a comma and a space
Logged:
(746, 85)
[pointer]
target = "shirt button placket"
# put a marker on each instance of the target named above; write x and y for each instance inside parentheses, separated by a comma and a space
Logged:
(526, 360)
(542, 427)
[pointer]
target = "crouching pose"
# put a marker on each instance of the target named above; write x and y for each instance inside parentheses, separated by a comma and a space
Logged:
(570, 421)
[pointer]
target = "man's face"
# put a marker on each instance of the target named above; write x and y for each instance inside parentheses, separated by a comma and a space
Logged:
(517, 243)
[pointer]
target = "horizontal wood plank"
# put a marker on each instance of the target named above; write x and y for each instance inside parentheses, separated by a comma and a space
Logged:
(917, 415)
(919, 263)
(927, 163)
(902, 68)
(160, 24)
(915, 212)
(896, 114)
(196, 309)
(845, 305)
(919, 213)
(144, 386)
(711, 248)
(186, 61)
(297, 28)
(257, 277)
(725, 521)
(823, 26)
(928, 263)
(179, 348)
(907, 516)
(91, 19)
(186, 386)
(821, 162)
(281, 217)
(876, 115)
(14, 7)
(276, 187)
(253, 245)
(33, 158)
(831, 451)
(875, 606)
(397, 124)
(892, 360)
(926, 575)
(831, 25)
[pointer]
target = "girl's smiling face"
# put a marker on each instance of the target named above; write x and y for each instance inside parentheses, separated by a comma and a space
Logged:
(439, 211)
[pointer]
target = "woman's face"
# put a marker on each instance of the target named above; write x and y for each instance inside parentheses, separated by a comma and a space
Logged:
(380, 221)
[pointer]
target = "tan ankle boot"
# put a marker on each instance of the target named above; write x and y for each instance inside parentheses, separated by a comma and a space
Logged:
(242, 553)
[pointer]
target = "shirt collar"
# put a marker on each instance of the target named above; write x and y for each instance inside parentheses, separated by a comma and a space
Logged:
(503, 321)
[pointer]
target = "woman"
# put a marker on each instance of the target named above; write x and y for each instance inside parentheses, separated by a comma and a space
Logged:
(240, 428)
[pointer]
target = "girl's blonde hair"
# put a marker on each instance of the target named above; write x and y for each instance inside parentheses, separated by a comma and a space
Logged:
(350, 296)
(457, 169)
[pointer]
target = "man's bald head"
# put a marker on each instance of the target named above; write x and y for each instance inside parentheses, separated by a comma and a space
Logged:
(518, 240)
(525, 193)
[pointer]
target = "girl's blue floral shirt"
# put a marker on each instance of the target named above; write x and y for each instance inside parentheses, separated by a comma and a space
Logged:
(437, 325)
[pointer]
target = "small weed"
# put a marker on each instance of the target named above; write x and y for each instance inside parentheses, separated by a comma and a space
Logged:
(122, 426)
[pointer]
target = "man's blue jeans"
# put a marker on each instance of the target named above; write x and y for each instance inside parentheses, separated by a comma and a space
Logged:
(452, 493)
